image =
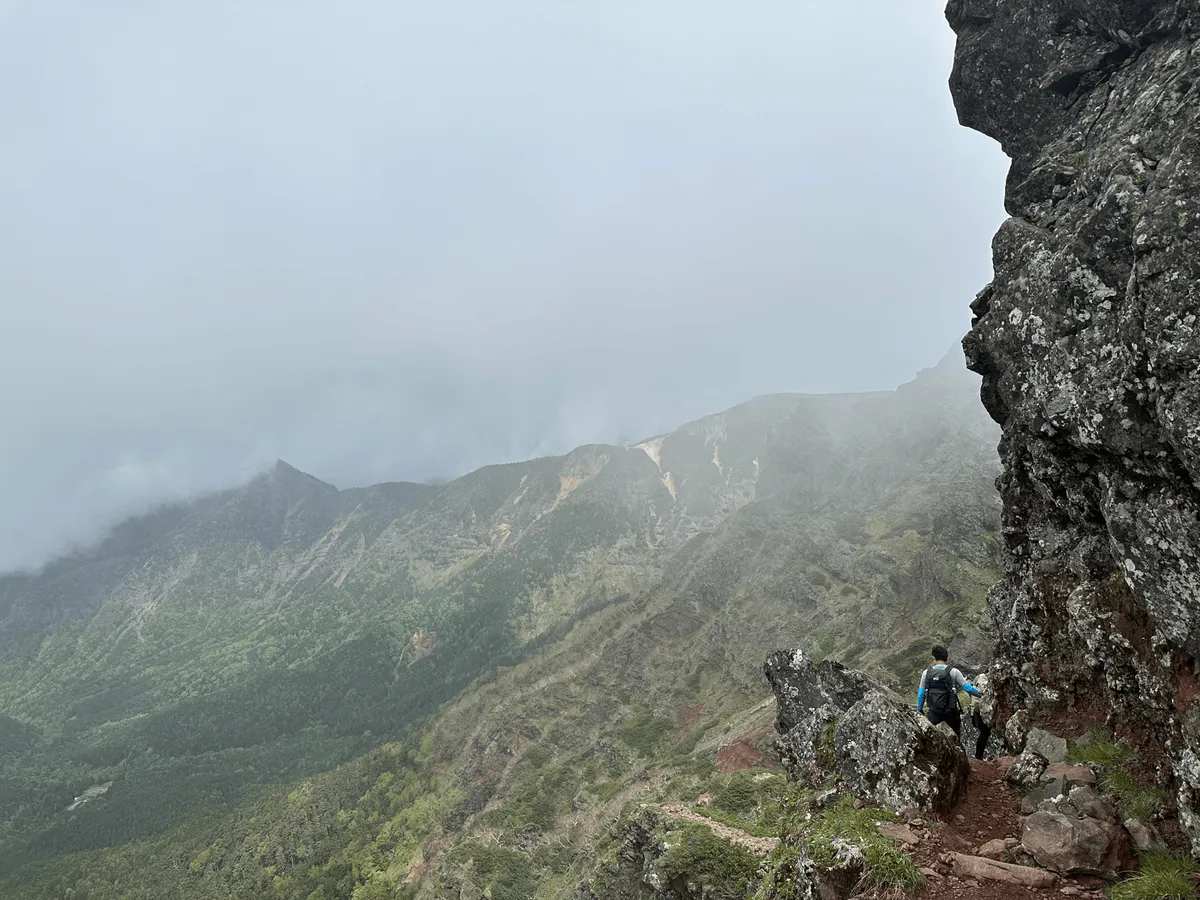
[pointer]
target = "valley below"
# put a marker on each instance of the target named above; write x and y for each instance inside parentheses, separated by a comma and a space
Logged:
(461, 690)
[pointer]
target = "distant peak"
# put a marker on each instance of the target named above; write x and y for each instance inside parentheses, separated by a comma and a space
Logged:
(954, 361)
(286, 473)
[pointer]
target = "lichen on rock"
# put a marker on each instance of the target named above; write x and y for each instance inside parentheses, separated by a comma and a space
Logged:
(1088, 341)
(838, 725)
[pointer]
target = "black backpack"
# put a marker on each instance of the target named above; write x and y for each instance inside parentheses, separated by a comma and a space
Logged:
(941, 693)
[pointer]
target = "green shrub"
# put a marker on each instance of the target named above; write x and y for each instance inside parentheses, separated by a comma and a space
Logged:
(698, 855)
(826, 748)
(1163, 877)
(738, 795)
(785, 869)
(645, 732)
(499, 863)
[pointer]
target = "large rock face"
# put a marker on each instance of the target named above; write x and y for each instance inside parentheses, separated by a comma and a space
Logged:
(838, 725)
(1089, 346)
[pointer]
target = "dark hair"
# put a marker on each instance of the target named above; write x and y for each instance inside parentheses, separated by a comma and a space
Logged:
(940, 653)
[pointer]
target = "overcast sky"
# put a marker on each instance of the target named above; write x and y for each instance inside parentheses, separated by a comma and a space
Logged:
(394, 240)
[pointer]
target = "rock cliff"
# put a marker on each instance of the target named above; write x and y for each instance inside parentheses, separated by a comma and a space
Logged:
(1089, 346)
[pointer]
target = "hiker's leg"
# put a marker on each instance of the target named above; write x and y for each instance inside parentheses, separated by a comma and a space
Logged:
(985, 732)
(954, 720)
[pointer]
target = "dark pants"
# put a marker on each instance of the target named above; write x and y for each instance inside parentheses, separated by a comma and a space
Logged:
(953, 718)
(985, 732)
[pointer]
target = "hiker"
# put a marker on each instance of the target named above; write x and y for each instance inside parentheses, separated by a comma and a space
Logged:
(981, 714)
(939, 688)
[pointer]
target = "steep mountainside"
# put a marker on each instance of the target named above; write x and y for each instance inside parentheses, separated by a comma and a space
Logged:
(1089, 347)
(557, 636)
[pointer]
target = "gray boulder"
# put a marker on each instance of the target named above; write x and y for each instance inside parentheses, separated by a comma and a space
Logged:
(1075, 846)
(1050, 746)
(1026, 771)
(1016, 730)
(1087, 803)
(1145, 836)
(1072, 774)
(890, 756)
(809, 698)
(1047, 790)
(838, 725)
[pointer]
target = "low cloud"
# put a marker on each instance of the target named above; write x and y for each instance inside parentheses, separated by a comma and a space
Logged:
(406, 241)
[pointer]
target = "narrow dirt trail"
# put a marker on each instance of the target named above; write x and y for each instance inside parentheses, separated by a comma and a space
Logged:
(758, 845)
(990, 811)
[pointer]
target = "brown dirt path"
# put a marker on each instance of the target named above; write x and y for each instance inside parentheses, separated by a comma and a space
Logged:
(991, 810)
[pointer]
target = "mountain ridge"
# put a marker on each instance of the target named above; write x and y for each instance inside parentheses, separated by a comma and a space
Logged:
(268, 633)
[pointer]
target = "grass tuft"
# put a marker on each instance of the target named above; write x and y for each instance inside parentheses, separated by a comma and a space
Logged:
(1134, 801)
(1163, 877)
(1100, 753)
(886, 866)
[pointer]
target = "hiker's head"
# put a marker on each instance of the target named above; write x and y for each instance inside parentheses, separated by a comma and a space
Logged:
(940, 654)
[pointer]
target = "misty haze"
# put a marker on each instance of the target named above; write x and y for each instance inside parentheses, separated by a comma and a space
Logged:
(599, 451)
(399, 242)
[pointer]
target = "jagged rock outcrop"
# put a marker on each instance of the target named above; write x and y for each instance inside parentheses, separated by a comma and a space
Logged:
(890, 756)
(836, 724)
(1088, 341)
(810, 697)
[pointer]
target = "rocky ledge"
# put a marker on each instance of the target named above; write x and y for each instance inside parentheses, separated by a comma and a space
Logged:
(1088, 342)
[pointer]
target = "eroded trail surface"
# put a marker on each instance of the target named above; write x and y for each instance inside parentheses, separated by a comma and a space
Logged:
(991, 811)
(758, 845)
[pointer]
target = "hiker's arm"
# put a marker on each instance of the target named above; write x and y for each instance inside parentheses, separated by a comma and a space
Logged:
(921, 692)
(966, 685)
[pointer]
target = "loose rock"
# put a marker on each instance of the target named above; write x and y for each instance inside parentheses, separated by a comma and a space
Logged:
(1049, 746)
(975, 867)
(1026, 771)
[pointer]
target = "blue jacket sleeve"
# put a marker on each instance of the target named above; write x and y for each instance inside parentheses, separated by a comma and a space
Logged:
(962, 682)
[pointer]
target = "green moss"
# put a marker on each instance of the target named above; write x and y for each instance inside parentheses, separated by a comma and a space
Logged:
(1163, 877)
(697, 855)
